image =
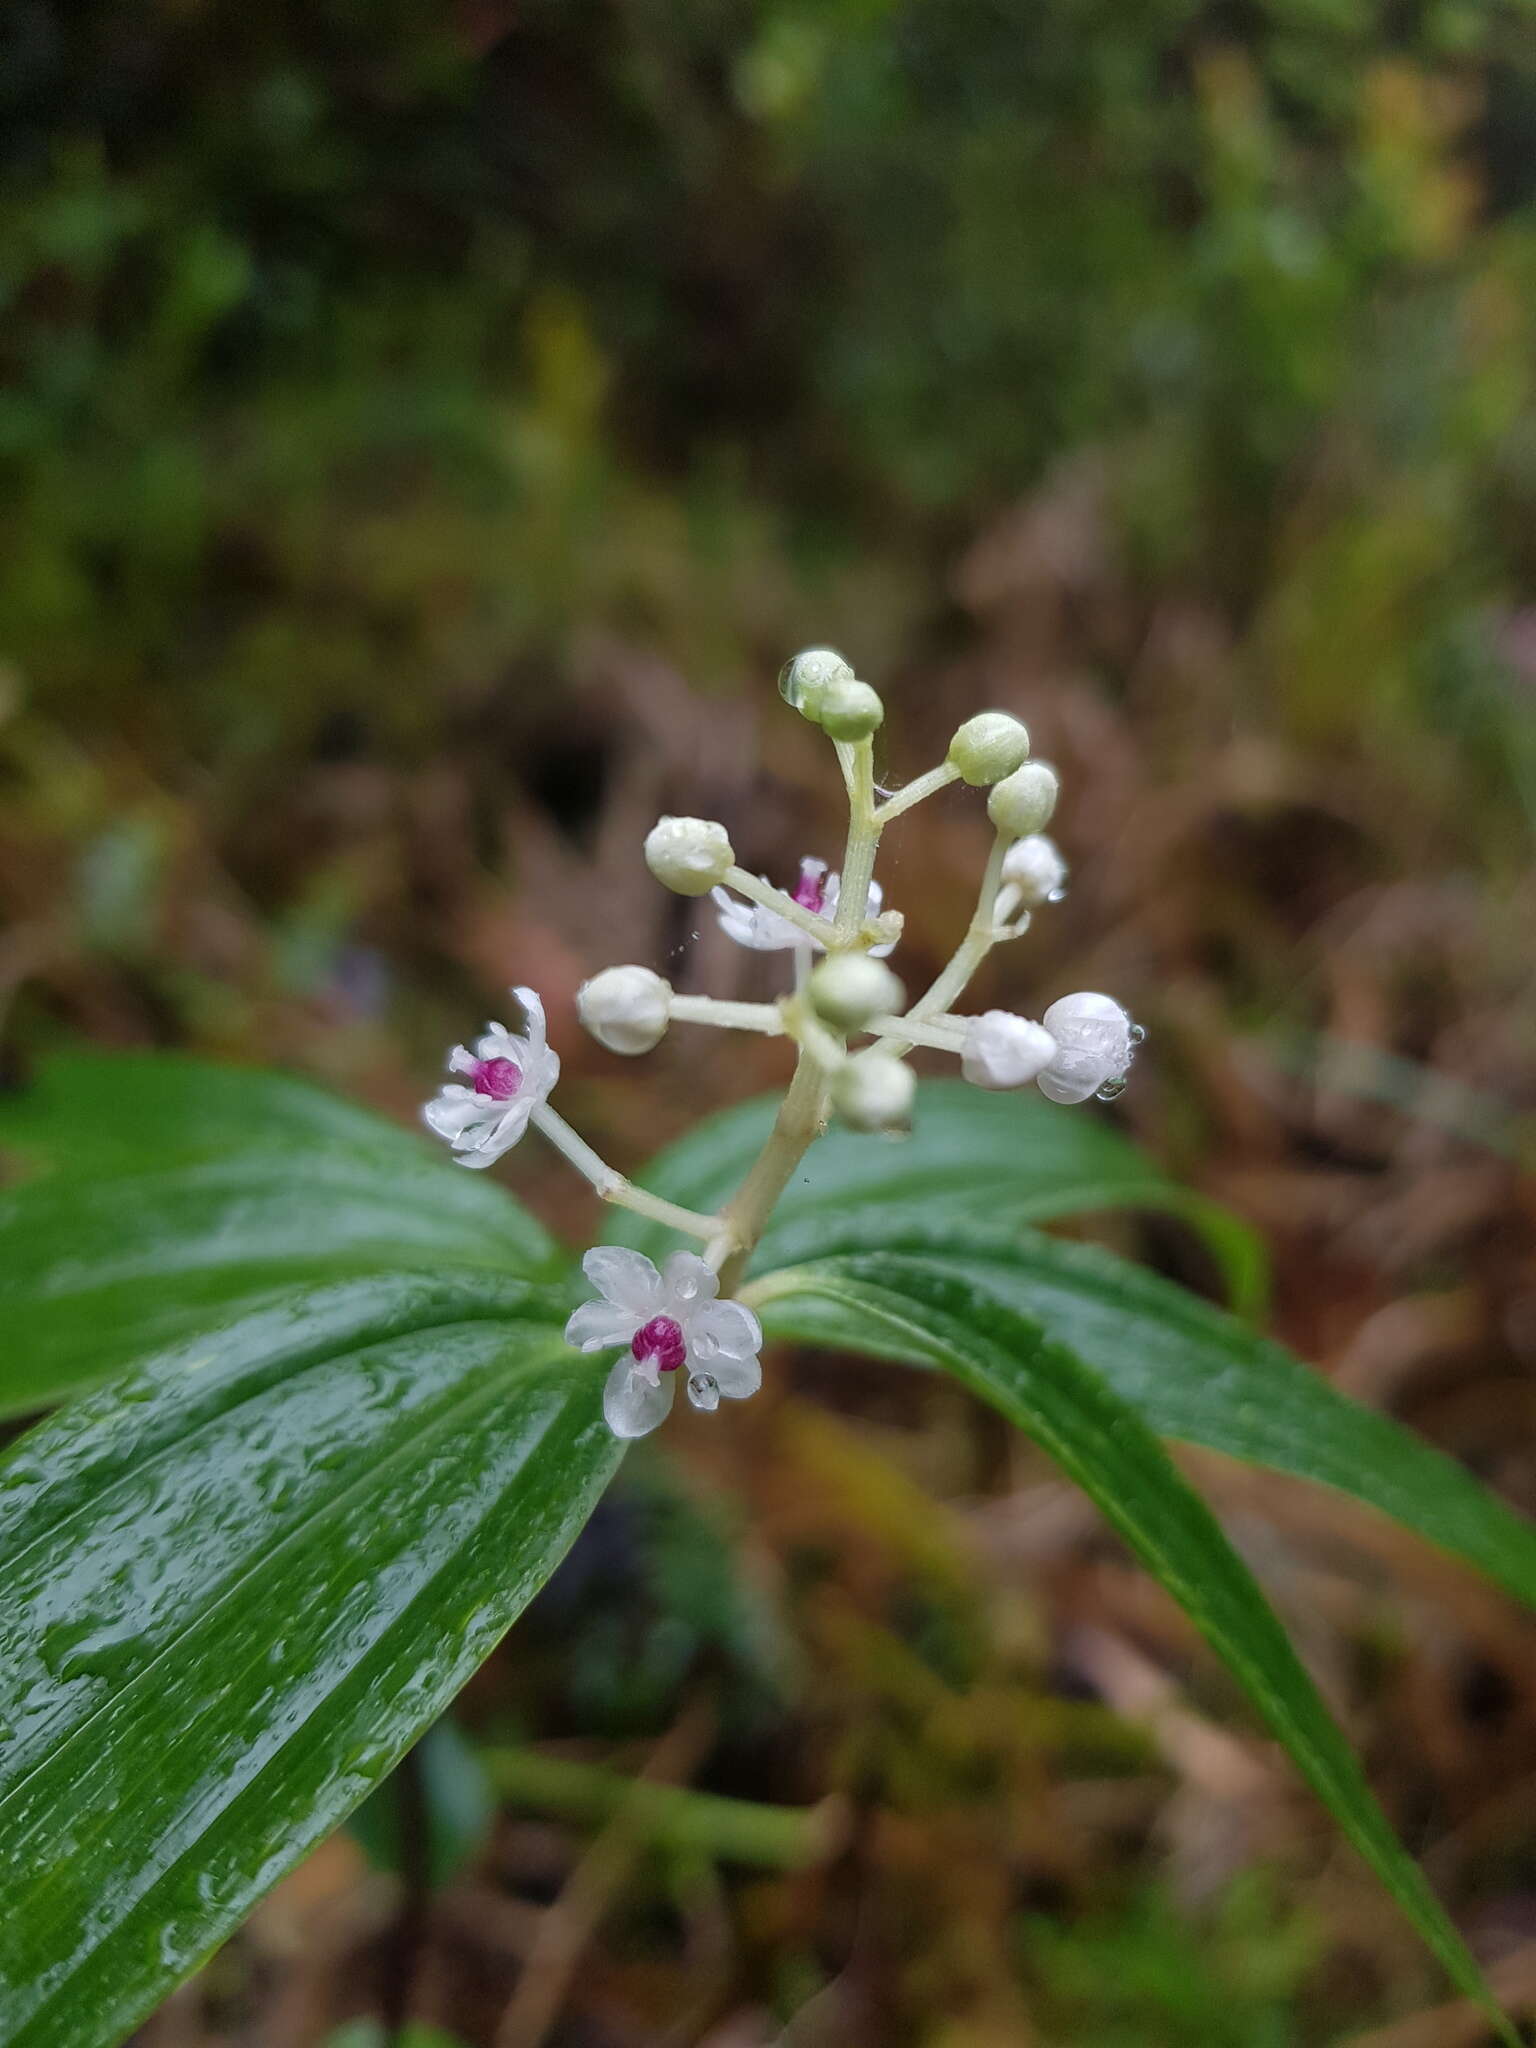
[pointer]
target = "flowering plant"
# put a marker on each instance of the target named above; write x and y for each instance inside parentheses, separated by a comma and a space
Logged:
(324, 1423)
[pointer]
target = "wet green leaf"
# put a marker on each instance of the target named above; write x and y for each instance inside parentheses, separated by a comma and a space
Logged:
(239, 1585)
(945, 1317)
(164, 1192)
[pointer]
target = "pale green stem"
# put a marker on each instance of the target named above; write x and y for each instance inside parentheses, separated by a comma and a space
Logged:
(612, 1186)
(945, 1034)
(759, 891)
(728, 1016)
(914, 793)
(673, 1817)
(863, 842)
(798, 1123)
(972, 950)
(845, 762)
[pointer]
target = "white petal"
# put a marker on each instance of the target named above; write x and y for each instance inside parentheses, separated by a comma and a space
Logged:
(597, 1324)
(631, 1405)
(541, 1070)
(461, 1060)
(736, 1377)
(687, 1283)
(504, 1133)
(724, 1329)
(1074, 1074)
(625, 1278)
(454, 1111)
(533, 1017)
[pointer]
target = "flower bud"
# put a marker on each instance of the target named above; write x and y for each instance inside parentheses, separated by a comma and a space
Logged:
(803, 680)
(690, 855)
(1024, 800)
(874, 1092)
(988, 747)
(1096, 1042)
(1035, 868)
(1004, 1051)
(848, 989)
(625, 1008)
(850, 710)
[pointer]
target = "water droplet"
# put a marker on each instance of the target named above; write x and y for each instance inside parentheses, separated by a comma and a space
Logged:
(1058, 894)
(1111, 1091)
(704, 1391)
(1138, 1034)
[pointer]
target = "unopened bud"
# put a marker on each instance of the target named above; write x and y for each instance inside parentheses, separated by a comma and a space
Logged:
(1096, 1041)
(625, 1008)
(874, 1093)
(850, 710)
(804, 679)
(1023, 802)
(848, 989)
(988, 747)
(1035, 868)
(1004, 1051)
(690, 855)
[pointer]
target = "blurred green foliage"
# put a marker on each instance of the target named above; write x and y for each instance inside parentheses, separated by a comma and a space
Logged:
(354, 355)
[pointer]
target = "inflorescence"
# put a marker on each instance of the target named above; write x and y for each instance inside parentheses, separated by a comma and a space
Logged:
(671, 1321)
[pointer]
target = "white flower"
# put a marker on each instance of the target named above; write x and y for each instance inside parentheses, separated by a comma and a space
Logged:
(1096, 1041)
(1004, 1051)
(669, 1322)
(764, 931)
(1035, 868)
(508, 1079)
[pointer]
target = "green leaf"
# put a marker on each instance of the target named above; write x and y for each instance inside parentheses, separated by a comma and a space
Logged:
(941, 1315)
(239, 1585)
(174, 1191)
(1194, 1373)
(972, 1156)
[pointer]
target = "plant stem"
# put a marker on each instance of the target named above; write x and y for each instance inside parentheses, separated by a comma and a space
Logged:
(612, 1186)
(756, 890)
(969, 954)
(728, 1016)
(914, 793)
(863, 842)
(798, 1123)
(672, 1817)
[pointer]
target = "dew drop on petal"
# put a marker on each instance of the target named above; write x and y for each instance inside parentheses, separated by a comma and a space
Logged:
(1111, 1090)
(1058, 894)
(704, 1391)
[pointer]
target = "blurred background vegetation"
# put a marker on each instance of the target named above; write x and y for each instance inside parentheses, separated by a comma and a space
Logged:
(423, 432)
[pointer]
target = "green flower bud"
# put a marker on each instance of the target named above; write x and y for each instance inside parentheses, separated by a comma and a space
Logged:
(803, 679)
(874, 1093)
(988, 747)
(848, 989)
(689, 855)
(850, 710)
(1023, 802)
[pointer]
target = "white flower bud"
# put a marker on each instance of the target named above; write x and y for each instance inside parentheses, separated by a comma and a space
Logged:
(848, 989)
(625, 1008)
(988, 747)
(1035, 868)
(690, 855)
(1023, 802)
(850, 710)
(803, 680)
(1096, 1042)
(874, 1092)
(1004, 1051)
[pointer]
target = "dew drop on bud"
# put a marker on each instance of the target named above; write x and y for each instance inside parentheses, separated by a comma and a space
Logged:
(1138, 1034)
(1111, 1091)
(1058, 894)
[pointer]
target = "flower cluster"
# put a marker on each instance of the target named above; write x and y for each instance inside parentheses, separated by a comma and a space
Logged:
(678, 1321)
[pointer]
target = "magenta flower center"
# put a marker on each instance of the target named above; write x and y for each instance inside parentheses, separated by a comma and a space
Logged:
(811, 889)
(498, 1078)
(661, 1339)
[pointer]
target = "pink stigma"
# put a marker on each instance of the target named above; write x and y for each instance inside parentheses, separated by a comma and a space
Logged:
(498, 1078)
(662, 1340)
(811, 889)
